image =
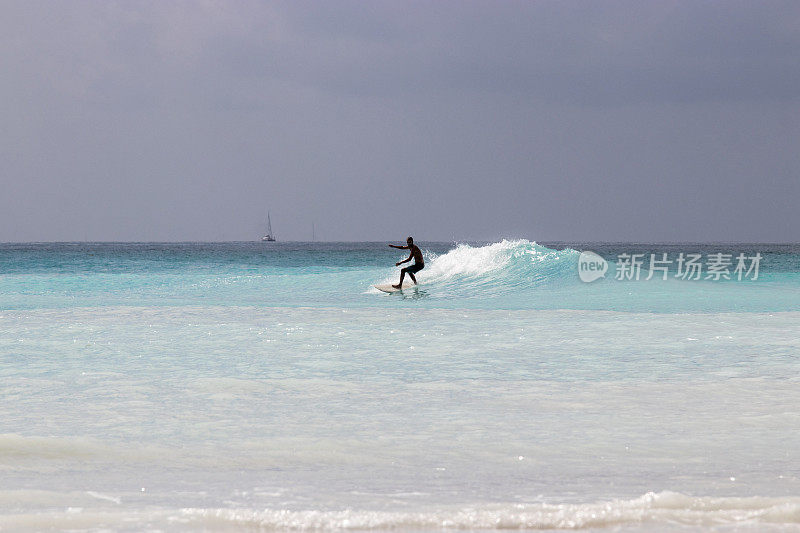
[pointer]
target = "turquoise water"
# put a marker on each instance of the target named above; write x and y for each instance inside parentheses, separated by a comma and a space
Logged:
(263, 386)
(503, 275)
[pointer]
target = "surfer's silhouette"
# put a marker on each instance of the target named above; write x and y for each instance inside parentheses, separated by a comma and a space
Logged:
(415, 254)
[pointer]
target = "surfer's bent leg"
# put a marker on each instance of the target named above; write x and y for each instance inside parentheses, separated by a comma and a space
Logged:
(412, 270)
(402, 275)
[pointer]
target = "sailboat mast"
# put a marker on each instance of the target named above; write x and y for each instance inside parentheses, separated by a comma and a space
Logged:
(269, 237)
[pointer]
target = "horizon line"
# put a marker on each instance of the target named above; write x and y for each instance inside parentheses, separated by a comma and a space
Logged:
(453, 241)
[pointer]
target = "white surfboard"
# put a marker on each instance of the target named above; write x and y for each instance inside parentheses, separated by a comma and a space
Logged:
(388, 287)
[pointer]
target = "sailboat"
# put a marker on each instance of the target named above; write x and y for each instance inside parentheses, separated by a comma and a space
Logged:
(269, 237)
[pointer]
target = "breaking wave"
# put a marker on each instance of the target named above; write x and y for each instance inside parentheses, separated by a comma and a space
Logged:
(649, 511)
(664, 511)
(497, 268)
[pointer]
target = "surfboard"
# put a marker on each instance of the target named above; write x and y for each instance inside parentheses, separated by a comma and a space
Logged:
(388, 287)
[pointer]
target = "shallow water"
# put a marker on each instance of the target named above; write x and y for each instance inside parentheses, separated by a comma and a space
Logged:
(249, 386)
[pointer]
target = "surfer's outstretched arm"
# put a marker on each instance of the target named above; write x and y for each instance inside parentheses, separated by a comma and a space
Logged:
(399, 247)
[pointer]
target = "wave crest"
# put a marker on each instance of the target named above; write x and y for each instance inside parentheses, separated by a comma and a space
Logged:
(648, 512)
(652, 508)
(501, 266)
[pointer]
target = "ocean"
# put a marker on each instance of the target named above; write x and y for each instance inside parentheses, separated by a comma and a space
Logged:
(269, 386)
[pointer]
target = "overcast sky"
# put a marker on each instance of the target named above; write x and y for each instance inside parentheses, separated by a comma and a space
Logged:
(581, 121)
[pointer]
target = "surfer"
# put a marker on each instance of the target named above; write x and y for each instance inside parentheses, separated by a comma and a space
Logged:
(418, 265)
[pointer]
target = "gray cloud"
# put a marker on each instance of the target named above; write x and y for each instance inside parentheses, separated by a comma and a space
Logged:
(452, 120)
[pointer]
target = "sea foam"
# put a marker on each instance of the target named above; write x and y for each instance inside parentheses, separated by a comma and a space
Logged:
(662, 511)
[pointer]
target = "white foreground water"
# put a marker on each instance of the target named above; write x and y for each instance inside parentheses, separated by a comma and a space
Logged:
(220, 418)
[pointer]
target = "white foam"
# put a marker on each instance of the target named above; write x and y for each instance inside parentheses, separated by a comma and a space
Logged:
(105, 497)
(650, 512)
(465, 260)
